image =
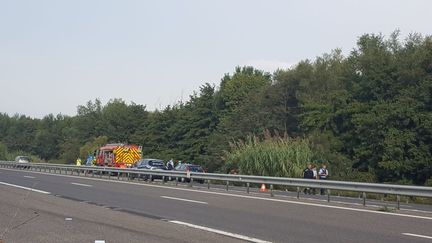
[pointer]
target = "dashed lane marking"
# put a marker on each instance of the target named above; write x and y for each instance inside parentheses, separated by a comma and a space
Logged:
(80, 184)
(220, 232)
(25, 188)
(417, 235)
(182, 199)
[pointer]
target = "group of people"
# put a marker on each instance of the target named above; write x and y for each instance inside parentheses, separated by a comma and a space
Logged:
(311, 173)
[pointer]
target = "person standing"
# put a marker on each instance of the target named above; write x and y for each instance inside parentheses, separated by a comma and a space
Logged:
(170, 164)
(78, 162)
(315, 172)
(308, 174)
(323, 175)
(315, 176)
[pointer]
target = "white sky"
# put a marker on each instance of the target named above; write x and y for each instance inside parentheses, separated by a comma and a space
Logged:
(56, 55)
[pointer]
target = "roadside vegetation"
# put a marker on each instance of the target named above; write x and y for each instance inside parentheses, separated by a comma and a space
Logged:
(270, 156)
(367, 114)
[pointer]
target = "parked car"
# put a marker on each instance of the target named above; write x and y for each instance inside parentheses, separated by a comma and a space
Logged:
(191, 168)
(150, 164)
(22, 161)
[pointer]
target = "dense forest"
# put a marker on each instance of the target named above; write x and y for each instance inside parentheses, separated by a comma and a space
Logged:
(367, 114)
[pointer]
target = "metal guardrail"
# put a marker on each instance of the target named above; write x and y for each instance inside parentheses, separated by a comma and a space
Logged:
(129, 173)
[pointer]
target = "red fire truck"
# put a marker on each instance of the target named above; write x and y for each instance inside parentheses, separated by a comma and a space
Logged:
(118, 155)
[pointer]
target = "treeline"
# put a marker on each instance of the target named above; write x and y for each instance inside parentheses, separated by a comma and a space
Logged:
(368, 115)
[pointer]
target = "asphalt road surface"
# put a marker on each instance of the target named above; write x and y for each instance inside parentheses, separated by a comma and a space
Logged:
(216, 215)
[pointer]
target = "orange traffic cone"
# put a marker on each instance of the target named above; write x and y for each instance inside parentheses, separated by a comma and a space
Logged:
(263, 188)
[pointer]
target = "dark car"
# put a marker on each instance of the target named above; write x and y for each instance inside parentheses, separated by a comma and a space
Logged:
(150, 164)
(191, 168)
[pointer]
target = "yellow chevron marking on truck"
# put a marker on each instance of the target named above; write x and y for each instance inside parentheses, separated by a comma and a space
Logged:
(127, 155)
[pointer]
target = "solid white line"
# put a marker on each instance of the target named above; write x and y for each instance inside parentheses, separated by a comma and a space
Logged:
(79, 184)
(182, 199)
(233, 235)
(99, 241)
(25, 188)
(416, 235)
(416, 210)
(238, 196)
(31, 177)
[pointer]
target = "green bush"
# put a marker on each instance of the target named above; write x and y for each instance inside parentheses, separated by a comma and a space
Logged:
(271, 156)
(3, 152)
(429, 182)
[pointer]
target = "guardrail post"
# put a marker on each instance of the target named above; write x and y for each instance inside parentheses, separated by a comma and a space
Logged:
(208, 184)
(298, 192)
(190, 182)
(247, 187)
(398, 202)
(328, 195)
(364, 198)
(227, 185)
(271, 190)
(100, 175)
(163, 179)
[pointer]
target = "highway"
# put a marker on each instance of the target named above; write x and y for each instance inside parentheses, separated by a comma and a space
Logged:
(203, 215)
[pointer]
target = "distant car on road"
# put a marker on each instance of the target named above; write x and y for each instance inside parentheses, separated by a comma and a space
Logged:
(151, 164)
(22, 161)
(191, 168)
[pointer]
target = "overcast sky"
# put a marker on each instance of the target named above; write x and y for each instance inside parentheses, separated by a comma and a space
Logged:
(55, 55)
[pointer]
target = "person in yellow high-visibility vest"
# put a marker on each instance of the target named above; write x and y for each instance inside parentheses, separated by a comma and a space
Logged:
(78, 162)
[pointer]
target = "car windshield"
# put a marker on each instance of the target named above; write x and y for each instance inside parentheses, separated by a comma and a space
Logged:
(195, 168)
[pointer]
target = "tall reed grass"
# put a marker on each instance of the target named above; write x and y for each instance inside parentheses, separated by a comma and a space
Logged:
(280, 156)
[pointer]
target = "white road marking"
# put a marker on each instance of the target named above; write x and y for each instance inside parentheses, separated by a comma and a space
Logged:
(79, 184)
(417, 210)
(182, 199)
(416, 235)
(238, 196)
(25, 188)
(30, 177)
(221, 232)
(68, 219)
(99, 241)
